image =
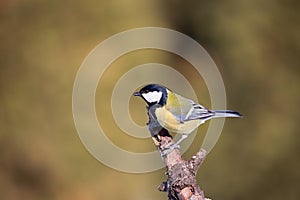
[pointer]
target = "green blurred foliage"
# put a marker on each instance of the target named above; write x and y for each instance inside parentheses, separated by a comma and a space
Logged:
(255, 44)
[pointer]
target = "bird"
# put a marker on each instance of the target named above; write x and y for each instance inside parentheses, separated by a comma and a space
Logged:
(176, 113)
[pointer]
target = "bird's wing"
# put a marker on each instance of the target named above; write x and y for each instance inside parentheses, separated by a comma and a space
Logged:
(185, 109)
(199, 112)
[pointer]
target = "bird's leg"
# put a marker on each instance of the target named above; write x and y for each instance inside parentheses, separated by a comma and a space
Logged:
(176, 145)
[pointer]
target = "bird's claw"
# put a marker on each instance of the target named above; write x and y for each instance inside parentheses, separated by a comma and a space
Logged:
(168, 150)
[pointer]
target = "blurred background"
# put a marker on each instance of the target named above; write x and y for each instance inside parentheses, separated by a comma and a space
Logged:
(255, 45)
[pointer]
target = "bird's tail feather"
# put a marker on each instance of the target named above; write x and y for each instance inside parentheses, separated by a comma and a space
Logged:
(226, 113)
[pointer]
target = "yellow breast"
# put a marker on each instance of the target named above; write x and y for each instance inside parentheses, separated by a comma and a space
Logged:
(167, 120)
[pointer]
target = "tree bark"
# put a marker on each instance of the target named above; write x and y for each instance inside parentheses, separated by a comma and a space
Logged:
(181, 183)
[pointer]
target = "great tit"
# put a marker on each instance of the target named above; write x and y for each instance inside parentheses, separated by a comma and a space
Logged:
(176, 113)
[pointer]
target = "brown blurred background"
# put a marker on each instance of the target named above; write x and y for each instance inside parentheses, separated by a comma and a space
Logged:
(255, 44)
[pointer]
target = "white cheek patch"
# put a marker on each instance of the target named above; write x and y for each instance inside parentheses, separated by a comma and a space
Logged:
(152, 97)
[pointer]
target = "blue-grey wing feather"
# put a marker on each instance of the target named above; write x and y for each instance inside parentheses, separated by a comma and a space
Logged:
(199, 112)
(189, 110)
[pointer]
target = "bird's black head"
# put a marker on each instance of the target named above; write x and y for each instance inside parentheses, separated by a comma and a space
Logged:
(153, 94)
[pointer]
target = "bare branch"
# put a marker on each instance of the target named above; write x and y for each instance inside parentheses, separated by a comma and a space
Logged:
(181, 183)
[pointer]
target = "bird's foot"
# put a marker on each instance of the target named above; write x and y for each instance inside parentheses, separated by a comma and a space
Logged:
(168, 150)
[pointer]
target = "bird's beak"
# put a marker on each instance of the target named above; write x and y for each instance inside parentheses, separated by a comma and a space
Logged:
(137, 94)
